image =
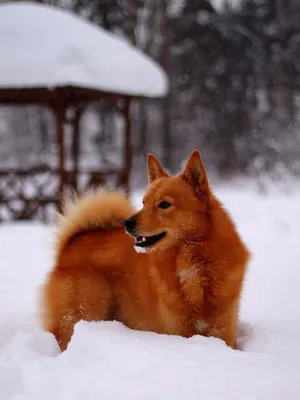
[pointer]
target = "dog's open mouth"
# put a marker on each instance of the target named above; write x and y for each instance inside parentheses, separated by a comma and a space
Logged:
(145, 241)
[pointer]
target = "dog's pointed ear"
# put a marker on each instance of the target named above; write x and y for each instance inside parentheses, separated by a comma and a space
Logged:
(194, 172)
(155, 170)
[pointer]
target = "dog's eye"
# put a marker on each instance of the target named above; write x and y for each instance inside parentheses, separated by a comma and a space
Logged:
(164, 204)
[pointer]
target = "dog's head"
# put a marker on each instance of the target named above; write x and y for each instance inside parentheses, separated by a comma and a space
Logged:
(175, 208)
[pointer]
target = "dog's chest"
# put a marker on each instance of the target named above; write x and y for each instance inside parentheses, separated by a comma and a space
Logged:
(168, 302)
(192, 282)
(180, 300)
(194, 285)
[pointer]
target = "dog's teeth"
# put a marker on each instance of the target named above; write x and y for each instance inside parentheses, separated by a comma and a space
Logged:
(144, 239)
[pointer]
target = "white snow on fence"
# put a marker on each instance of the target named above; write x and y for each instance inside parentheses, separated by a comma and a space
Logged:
(45, 46)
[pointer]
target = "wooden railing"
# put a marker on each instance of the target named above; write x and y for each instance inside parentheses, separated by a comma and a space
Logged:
(34, 194)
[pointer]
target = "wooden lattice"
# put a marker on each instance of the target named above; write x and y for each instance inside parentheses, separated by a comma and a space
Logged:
(33, 194)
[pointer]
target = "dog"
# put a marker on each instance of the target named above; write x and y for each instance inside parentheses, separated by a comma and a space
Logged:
(186, 278)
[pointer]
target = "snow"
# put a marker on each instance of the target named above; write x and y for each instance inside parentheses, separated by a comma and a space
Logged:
(219, 4)
(106, 360)
(43, 46)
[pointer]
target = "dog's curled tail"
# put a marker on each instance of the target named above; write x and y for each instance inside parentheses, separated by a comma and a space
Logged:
(99, 210)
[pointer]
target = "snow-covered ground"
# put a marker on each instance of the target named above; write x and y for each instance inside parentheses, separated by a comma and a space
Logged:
(105, 360)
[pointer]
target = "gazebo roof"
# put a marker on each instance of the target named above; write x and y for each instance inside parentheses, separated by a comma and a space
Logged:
(46, 47)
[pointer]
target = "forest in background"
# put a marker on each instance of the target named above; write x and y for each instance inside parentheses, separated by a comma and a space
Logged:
(234, 90)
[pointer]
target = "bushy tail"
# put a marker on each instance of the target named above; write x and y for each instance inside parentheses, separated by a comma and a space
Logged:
(103, 209)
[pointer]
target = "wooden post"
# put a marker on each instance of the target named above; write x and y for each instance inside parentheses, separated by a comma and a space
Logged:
(127, 151)
(60, 113)
(76, 145)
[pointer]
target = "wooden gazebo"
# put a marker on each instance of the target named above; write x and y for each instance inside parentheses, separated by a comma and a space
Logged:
(67, 64)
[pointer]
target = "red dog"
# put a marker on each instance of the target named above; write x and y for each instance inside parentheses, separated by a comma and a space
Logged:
(187, 282)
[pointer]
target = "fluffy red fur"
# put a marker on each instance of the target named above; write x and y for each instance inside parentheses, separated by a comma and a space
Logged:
(189, 282)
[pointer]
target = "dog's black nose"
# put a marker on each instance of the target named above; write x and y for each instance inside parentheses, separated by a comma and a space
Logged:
(129, 224)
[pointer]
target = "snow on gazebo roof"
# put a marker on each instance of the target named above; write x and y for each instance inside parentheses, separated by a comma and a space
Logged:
(42, 46)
